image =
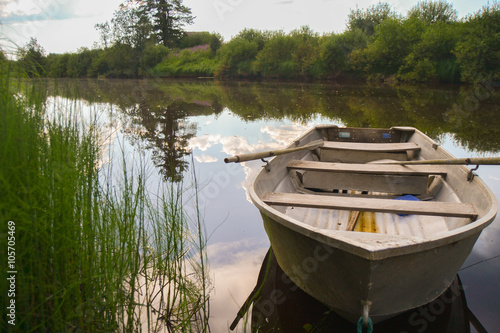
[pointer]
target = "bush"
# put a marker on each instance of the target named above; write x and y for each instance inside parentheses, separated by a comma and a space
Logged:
(152, 55)
(393, 42)
(432, 57)
(336, 50)
(478, 52)
(236, 58)
(192, 39)
(276, 58)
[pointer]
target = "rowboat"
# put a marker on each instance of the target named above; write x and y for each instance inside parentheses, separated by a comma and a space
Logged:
(371, 222)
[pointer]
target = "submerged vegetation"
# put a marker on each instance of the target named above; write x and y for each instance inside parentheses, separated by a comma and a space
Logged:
(428, 44)
(95, 251)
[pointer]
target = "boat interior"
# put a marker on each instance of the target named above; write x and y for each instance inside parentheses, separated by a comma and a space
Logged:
(347, 184)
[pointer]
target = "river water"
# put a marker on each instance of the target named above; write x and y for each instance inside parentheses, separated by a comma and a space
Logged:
(189, 127)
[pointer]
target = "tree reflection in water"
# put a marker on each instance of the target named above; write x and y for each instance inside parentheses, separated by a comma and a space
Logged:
(166, 134)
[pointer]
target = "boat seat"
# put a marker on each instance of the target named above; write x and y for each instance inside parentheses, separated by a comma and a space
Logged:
(372, 147)
(362, 152)
(383, 178)
(374, 168)
(448, 209)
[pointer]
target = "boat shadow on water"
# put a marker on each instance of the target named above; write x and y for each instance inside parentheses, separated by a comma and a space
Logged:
(280, 306)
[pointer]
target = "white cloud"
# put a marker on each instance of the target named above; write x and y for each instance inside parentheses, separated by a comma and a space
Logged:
(206, 159)
(204, 142)
(234, 268)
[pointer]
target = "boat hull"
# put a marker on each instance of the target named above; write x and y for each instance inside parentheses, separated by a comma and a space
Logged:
(345, 281)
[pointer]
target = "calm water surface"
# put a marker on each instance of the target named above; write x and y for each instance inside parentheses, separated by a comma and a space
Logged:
(186, 124)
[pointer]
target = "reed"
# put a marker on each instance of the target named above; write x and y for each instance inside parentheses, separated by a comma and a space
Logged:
(95, 252)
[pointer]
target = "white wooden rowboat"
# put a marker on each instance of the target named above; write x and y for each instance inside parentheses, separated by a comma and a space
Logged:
(339, 234)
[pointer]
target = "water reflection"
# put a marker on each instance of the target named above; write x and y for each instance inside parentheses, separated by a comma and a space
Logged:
(277, 301)
(163, 129)
(468, 112)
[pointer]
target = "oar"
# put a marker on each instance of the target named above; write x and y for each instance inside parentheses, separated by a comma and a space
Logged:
(257, 156)
(454, 161)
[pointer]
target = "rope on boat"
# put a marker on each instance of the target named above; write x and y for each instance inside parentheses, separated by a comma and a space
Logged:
(365, 320)
(361, 325)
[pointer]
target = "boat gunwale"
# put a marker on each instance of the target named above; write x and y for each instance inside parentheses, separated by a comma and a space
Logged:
(351, 240)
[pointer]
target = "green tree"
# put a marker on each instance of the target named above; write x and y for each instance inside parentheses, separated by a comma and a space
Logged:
(336, 50)
(367, 20)
(152, 55)
(2, 56)
(237, 57)
(478, 52)
(168, 18)
(130, 25)
(105, 33)
(32, 58)
(307, 48)
(392, 42)
(277, 57)
(80, 64)
(215, 42)
(432, 57)
(433, 11)
(56, 64)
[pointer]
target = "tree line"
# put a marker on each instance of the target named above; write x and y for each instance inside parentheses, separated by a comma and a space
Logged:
(428, 44)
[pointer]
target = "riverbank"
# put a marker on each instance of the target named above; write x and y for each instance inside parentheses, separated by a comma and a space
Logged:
(377, 45)
(92, 248)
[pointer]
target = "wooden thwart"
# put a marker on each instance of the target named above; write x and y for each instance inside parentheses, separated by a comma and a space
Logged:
(372, 147)
(372, 205)
(379, 169)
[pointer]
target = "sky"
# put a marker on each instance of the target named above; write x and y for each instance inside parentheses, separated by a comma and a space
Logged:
(66, 25)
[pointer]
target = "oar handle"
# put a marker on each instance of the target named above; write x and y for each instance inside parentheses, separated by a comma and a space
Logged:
(257, 156)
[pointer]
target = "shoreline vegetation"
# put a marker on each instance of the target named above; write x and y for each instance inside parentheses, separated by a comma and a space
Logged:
(95, 251)
(428, 44)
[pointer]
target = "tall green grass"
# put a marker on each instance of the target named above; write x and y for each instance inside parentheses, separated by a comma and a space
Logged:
(94, 252)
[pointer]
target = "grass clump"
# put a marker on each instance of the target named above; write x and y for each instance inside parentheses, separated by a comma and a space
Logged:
(93, 253)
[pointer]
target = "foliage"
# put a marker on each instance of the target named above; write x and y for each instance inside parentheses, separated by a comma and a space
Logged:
(432, 58)
(392, 43)
(168, 18)
(215, 42)
(237, 57)
(432, 12)
(130, 25)
(192, 39)
(336, 50)
(369, 19)
(429, 44)
(198, 61)
(32, 58)
(478, 52)
(152, 55)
